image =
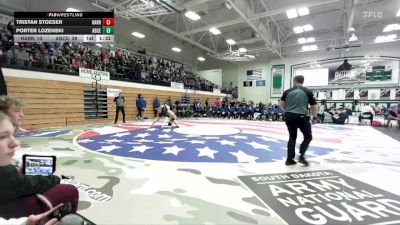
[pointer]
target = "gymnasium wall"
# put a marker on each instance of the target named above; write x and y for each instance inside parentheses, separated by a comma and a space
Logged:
(236, 72)
(57, 100)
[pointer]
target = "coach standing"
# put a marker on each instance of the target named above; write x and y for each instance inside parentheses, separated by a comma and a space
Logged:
(295, 103)
(140, 105)
(120, 103)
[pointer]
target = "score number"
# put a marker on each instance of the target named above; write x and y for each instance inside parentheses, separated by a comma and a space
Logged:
(108, 21)
(108, 25)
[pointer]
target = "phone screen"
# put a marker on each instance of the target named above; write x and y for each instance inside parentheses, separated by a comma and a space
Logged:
(39, 165)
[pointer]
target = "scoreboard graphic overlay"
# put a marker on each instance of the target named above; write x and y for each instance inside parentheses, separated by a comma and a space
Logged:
(95, 27)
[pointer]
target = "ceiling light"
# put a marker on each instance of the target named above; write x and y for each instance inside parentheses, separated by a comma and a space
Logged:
(313, 47)
(303, 11)
(242, 50)
(228, 6)
(391, 27)
(305, 48)
(380, 39)
(214, 31)
(302, 40)
(139, 35)
(387, 38)
(231, 41)
(351, 29)
(310, 39)
(192, 15)
(202, 59)
(99, 45)
(308, 27)
(353, 38)
(250, 56)
(72, 10)
(298, 30)
(292, 13)
(398, 13)
(175, 49)
(391, 37)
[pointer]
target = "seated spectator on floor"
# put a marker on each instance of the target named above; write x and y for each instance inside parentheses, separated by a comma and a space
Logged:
(219, 111)
(207, 112)
(237, 111)
(392, 115)
(34, 219)
(18, 191)
(156, 105)
(224, 112)
(12, 107)
(398, 108)
(348, 111)
(385, 111)
(269, 113)
(217, 102)
(214, 111)
(250, 113)
(277, 114)
(341, 118)
(367, 113)
(179, 109)
(243, 111)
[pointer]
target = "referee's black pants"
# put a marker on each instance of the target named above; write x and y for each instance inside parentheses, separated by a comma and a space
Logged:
(294, 122)
(122, 109)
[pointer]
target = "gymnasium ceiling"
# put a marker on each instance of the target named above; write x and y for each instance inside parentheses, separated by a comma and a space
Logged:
(257, 25)
(263, 25)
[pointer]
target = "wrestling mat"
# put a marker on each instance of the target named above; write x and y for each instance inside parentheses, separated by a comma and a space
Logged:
(224, 172)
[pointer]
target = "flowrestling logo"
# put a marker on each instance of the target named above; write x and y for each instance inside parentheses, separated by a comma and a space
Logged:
(91, 192)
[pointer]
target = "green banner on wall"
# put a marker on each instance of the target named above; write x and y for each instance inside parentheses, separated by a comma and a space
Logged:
(277, 74)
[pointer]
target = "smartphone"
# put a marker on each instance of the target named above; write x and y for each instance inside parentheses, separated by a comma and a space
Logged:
(41, 165)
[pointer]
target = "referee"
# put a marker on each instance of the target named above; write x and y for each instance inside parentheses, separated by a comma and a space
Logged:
(120, 103)
(295, 102)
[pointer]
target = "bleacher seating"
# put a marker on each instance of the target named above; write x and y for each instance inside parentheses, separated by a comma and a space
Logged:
(122, 64)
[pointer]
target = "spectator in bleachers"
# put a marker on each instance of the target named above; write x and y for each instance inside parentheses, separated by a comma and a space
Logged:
(121, 64)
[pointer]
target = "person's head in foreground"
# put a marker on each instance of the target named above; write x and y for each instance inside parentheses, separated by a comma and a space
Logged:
(7, 141)
(12, 107)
